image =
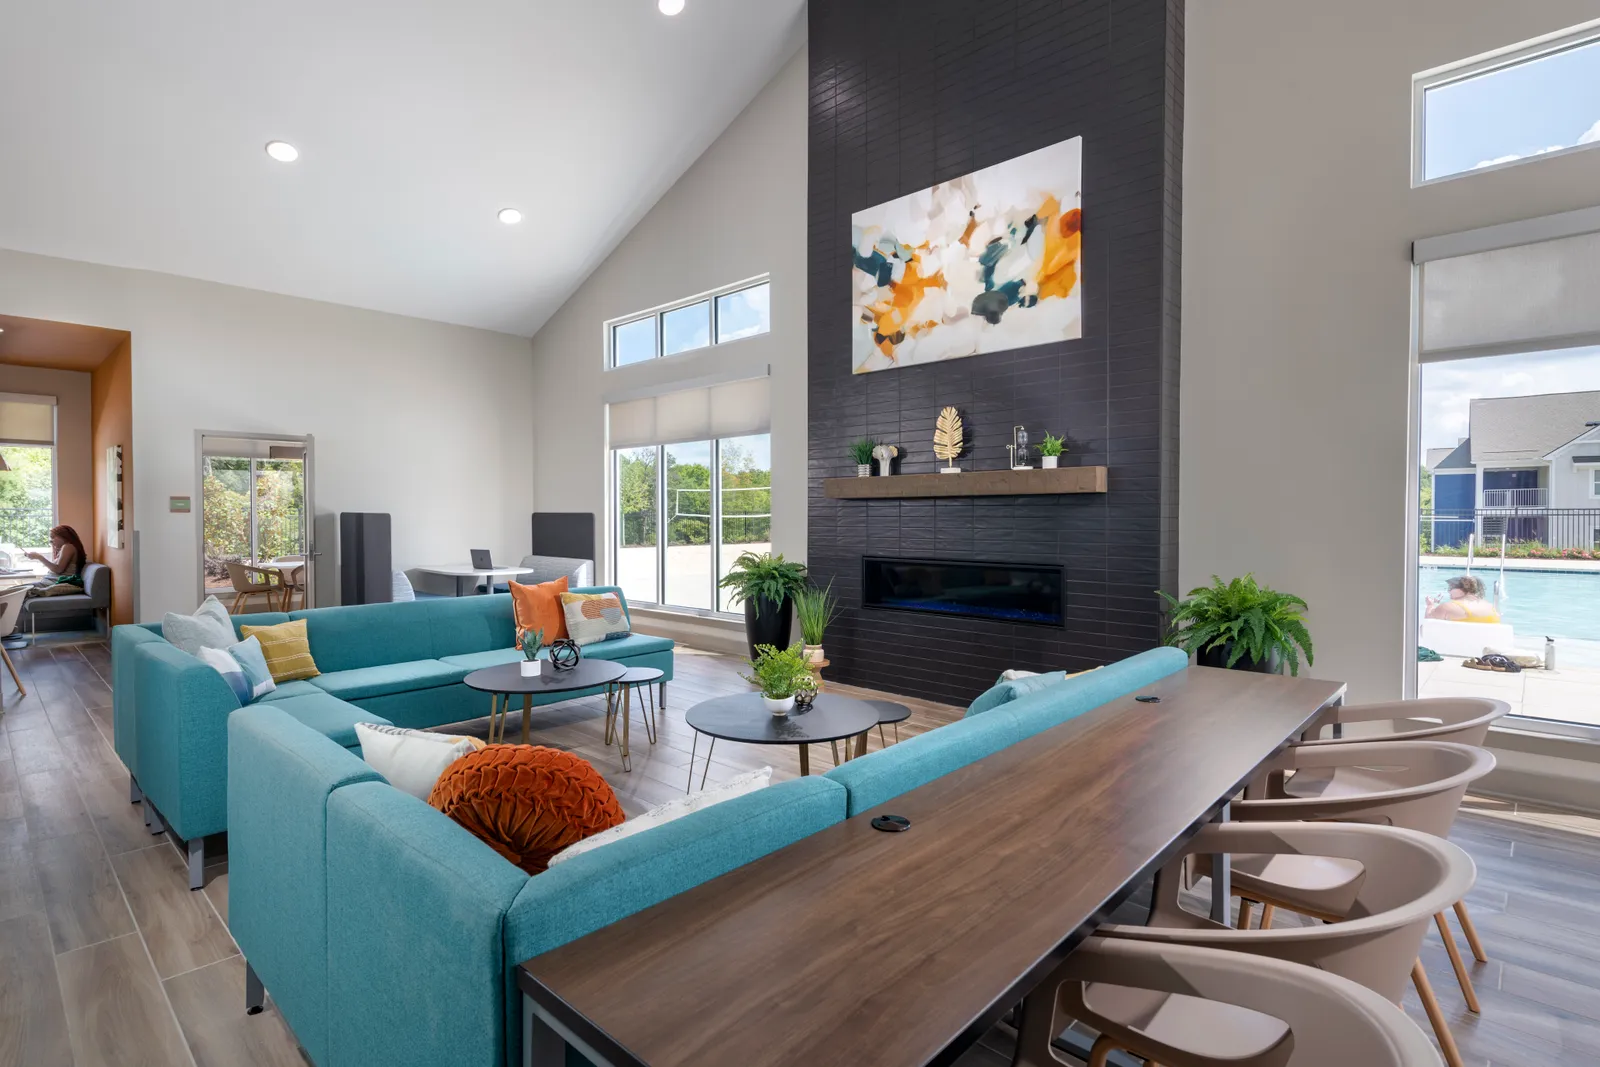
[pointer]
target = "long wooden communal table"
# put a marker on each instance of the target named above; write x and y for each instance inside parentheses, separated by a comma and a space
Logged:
(855, 946)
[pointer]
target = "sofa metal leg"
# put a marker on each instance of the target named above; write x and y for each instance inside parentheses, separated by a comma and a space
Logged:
(663, 693)
(134, 796)
(197, 863)
(255, 994)
(153, 819)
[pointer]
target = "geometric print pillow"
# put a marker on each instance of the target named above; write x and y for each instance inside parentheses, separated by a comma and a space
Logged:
(594, 617)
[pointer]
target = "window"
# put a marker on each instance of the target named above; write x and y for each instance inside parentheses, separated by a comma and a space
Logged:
(27, 496)
(742, 310)
(715, 502)
(1509, 108)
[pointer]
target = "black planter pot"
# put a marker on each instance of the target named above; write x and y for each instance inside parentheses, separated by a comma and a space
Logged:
(1218, 657)
(766, 623)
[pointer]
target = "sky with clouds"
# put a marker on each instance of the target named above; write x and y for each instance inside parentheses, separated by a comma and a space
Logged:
(1447, 387)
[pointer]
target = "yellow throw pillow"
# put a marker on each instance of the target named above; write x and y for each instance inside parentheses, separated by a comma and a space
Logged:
(287, 649)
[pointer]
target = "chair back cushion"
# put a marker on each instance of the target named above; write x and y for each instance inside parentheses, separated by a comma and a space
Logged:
(367, 635)
(97, 583)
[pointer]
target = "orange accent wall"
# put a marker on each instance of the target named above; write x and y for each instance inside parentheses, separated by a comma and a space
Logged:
(111, 423)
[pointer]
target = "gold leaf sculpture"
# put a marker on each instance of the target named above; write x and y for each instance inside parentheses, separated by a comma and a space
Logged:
(947, 436)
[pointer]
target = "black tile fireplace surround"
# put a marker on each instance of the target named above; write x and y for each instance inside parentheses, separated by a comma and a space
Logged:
(907, 93)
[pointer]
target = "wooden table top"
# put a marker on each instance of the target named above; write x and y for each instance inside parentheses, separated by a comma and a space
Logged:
(901, 949)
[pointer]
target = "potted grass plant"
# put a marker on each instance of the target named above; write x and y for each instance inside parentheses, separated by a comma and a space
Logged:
(780, 673)
(861, 452)
(816, 609)
(1240, 625)
(1050, 450)
(766, 585)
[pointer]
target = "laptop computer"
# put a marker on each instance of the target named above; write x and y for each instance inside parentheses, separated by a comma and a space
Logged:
(481, 560)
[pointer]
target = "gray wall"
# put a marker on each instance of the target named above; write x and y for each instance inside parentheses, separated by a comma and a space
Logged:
(1298, 218)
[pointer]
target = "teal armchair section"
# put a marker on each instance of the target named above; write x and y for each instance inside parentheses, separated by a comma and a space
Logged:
(1073, 696)
(280, 776)
(182, 738)
(125, 740)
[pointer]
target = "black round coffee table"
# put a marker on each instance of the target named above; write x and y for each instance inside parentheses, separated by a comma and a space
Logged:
(745, 718)
(506, 680)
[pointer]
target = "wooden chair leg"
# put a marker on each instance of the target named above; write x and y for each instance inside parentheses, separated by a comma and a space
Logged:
(1471, 932)
(234, 610)
(1462, 976)
(1267, 911)
(12, 667)
(1441, 1027)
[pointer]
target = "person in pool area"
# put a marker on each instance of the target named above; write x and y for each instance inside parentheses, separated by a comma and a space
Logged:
(65, 564)
(1465, 603)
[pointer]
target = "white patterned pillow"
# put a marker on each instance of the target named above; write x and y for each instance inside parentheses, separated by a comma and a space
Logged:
(593, 617)
(738, 786)
(411, 760)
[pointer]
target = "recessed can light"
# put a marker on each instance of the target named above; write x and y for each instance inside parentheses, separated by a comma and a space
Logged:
(670, 7)
(283, 151)
(510, 216)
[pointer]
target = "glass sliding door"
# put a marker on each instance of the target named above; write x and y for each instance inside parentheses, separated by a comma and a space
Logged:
(637, 518)
(255, 512)
(688, 565)
(745, 480)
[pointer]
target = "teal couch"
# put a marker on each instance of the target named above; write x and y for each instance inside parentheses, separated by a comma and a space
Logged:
(399, 664)
(388, 934)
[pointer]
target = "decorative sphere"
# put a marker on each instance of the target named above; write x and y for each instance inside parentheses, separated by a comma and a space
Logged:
(565, 654)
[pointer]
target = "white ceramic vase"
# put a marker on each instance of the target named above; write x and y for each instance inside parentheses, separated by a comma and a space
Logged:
(814, 654)
(1049, 462)
(529, 668)
(779, 707)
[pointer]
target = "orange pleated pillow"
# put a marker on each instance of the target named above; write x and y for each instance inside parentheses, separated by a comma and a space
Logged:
(538, 607)
(526, 802)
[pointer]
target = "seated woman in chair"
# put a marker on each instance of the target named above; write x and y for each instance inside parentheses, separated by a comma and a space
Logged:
(65, 564)
(1466, 603)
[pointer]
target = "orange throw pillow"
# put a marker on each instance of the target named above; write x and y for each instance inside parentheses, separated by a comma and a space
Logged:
(538, 607)
(526, 802)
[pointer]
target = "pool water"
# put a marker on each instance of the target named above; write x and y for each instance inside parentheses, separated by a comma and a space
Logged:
(1540, 603)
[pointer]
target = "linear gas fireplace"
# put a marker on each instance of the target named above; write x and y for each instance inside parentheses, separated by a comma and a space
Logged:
(1012, 592)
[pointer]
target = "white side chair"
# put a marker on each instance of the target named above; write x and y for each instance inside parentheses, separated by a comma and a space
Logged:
(1251, 1011)
(10, 615)
(1462, 720)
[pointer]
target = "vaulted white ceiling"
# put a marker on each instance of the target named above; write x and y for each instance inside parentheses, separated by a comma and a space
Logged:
(132, 133)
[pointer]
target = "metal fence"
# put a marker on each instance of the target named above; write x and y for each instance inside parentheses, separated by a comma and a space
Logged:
(26, 527)
(1557, 529)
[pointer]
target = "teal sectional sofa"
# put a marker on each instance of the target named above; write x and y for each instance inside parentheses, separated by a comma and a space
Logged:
(386, 933)
(400, 664)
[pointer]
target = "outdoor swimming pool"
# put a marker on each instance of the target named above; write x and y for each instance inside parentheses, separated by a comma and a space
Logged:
(1540, 603)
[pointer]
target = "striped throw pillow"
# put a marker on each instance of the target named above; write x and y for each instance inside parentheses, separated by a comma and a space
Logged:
(287, 649)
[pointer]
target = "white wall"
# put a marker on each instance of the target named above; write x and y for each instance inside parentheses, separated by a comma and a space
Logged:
(428, 422)
(1298, 217)
(738, 212)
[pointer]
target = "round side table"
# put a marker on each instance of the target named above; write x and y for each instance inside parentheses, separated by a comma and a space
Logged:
(506, 680)
(619, 696)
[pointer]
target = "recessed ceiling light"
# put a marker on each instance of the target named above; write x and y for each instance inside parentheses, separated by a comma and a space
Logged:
(510, 216)
(283, 151)
(670, 7)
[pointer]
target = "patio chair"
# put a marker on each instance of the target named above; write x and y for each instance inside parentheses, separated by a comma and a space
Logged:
(294, 580)
(249, 581)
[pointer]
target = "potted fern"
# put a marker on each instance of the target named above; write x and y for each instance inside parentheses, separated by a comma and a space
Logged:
(861, 452)
(766, 585)
(780, 673)
(1241, 625)
(1050, 450)
(815, 608)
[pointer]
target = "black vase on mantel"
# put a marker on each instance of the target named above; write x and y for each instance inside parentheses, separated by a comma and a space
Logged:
(768, 623)
(1218, 657)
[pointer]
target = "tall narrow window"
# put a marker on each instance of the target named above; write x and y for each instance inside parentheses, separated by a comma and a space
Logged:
(27, 496)
(745, 477)
(636, 513)
(688, 519)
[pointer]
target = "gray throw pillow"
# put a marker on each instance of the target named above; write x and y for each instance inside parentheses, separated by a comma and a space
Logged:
(402, 593)
(209, 627)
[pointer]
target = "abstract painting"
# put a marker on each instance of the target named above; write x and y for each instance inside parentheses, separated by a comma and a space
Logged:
(984, 263)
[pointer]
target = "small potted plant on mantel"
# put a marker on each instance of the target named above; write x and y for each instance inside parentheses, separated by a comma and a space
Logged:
(816, 609)
(1240, 625)
(861, 452)
(1050, 450)
(779, 673)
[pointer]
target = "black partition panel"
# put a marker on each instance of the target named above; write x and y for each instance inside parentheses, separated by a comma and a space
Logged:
(563, 533)
(365, 574)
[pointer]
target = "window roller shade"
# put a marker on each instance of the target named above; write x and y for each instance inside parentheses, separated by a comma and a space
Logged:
(732, 409)
(27, 420)
(1513, 297)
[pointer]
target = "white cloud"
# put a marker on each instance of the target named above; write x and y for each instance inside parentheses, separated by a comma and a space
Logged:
(1591, 135)
(1447, 388)
(1514, 156)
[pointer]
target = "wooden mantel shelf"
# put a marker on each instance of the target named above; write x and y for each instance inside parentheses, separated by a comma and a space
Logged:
(1056, 482)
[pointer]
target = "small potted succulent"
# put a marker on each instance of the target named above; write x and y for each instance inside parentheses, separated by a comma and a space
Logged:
(779, 673)
(816, 609)
(532, 641)
(1240, 625)
(861, 452)
(1050, 450)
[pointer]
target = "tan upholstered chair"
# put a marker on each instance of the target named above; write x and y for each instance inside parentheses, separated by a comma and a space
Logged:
(1378, 920)
(1418, 785)
(1463, 720)
(249, 581)
(10, 613)
(1198, 1007)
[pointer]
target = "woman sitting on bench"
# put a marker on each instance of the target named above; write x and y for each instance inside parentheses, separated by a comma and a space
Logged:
(65, 564)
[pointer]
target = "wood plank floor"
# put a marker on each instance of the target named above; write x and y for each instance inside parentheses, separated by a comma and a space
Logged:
(106, 958)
